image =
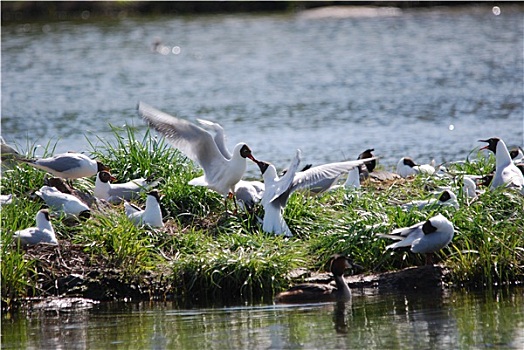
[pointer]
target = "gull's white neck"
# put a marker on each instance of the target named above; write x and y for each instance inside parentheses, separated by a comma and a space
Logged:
(503, 158)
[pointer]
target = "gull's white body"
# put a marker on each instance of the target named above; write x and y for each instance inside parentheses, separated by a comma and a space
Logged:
(116, 193)
(469, 187)
(151, 215)
(221, 173)
(419, 242)
(278, 190)
(405, 170)
(62, 202)
(421, 204)
(69, 165)
(42, 233)
(506, 172)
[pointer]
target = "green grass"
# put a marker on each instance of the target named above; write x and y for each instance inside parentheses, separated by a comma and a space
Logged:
(206, 255)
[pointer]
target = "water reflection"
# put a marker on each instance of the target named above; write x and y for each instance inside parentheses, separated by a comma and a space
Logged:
(422, 320)
(341, 316)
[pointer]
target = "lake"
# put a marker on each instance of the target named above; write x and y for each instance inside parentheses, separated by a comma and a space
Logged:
(423, 320)
(425, 83)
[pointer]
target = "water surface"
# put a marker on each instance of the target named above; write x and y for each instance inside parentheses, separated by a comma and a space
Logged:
(451, 320)
(424, 83)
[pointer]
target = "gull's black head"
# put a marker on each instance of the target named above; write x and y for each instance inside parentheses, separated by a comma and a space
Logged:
(445, 196)
(367, 154)
(155, 194)
(262, 166)
(106, 177)
(492, 144)
(409, 162)
(245, 152)
(428, 228)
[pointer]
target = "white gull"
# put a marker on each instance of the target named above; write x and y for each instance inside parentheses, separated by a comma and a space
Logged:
(426, 237)
(278, 190)
(151, 215)
(220, 173)
(42, 233)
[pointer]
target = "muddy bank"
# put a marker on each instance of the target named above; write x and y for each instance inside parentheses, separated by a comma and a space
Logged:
(67, 272)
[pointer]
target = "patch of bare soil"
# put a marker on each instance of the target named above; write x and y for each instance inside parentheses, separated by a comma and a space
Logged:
(69, 270)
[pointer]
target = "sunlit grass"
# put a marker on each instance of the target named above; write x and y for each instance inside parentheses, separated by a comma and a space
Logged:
(208, 255)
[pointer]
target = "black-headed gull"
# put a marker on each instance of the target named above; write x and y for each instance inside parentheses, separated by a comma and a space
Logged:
(316, 292)
(426, 237)
(220, 173)
(506, 172)
(115, 193)
(69, 165)
(407, 167)
(367, 168)
(63, 202)
(277, 190)
(445, 198)
(150, 216)
(42, 233)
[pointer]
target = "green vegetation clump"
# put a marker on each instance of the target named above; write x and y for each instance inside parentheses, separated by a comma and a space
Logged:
(206, 254)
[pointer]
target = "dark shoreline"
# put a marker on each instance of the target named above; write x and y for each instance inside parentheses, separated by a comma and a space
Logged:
(94, 279)
(19, 11)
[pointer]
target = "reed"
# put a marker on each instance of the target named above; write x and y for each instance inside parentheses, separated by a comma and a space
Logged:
(205, 254)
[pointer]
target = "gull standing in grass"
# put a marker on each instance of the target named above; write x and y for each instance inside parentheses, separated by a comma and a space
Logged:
(69, 165)
(445, 198)
(426, 237)
(506, 172)
(42, 233)
(151, 215)
(407, 167)
(116, 193)
(63, 202)
(277, 190)
(221, 172)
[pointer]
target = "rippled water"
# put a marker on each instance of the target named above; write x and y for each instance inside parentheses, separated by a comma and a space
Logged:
(425, 83)
(456, 320)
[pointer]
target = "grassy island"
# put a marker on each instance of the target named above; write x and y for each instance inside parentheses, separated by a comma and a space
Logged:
(204, 254)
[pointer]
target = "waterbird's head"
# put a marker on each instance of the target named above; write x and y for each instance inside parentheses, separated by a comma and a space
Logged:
(409, 162)
(245, 152)
(339, 263)
(263, 166)
(106, 177)
(492, 144)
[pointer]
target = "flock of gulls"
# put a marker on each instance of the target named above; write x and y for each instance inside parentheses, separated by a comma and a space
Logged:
(205, 144)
